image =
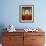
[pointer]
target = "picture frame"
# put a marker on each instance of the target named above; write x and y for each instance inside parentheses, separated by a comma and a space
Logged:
(26, 13)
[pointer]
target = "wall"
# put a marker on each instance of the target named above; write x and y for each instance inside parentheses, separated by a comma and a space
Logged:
(10, 13)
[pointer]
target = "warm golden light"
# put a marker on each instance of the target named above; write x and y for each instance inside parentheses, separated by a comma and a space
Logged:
(27, 12)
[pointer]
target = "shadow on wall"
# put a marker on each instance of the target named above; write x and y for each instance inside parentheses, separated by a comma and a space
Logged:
(2, 26)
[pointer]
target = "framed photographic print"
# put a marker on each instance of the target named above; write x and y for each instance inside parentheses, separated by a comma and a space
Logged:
(26, 13)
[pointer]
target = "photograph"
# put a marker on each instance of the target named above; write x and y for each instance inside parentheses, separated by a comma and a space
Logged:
(26, 13)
